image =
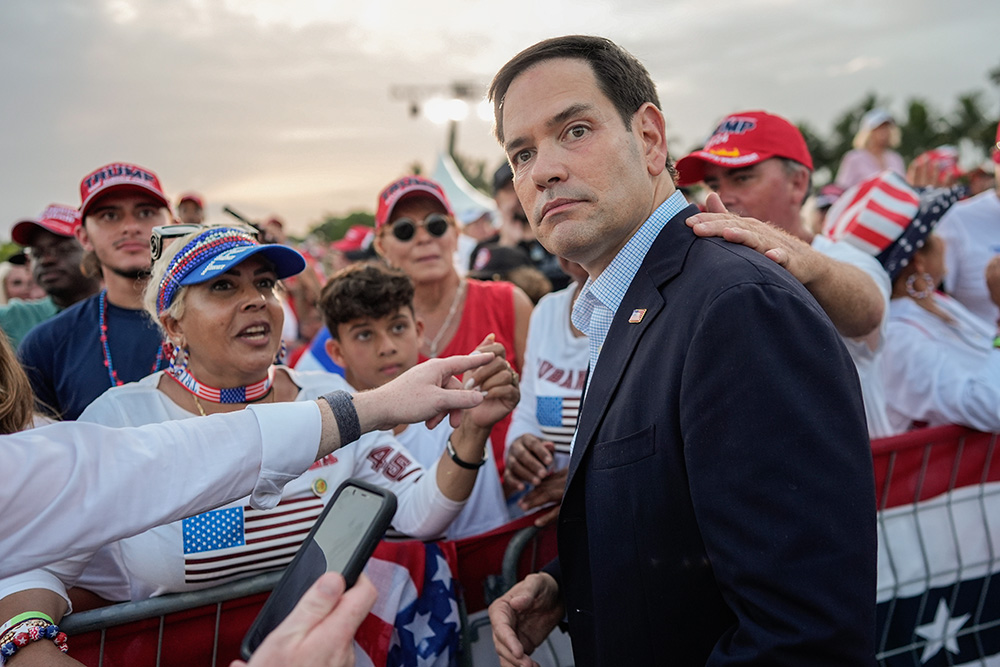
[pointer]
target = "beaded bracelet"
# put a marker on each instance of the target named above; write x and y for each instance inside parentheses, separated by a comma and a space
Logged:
(23, 617)
(27, 632)
(23, 625)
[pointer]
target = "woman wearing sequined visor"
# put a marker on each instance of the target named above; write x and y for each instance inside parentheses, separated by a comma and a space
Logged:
(212, 292)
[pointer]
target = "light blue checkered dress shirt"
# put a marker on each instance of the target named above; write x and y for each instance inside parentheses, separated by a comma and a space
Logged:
(595, 308)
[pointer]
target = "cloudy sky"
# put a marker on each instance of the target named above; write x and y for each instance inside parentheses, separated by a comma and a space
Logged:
(286, 105)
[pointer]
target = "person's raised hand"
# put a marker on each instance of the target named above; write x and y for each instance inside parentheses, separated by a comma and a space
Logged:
(499, 383)
(528, 461)
(549, 490)
(776, 244)
(319, 631)
(427, 392)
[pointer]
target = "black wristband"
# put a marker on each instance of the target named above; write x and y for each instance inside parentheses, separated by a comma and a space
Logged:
(342, 404)
(465, 464)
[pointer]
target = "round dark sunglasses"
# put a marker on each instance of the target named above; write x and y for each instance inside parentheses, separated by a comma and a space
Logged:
(405, 228)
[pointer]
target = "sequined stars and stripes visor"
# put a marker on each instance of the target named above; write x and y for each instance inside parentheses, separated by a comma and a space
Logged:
(215, 251)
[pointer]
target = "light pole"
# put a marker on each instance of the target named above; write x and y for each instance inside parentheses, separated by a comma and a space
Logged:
(445, 103)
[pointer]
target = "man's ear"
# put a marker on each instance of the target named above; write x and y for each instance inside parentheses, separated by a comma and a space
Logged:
(80, 231)
(652, 130)
(799, 187)
(335, 352)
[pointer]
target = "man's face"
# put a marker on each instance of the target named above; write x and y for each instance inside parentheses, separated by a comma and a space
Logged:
(375, 351)
(190, 213)
(117, 228)
(765, 191)
(55, 262)
(584, 179)
(512, 216)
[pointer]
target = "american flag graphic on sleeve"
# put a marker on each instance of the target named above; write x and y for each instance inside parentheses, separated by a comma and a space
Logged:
(557, 416)
(241, 540)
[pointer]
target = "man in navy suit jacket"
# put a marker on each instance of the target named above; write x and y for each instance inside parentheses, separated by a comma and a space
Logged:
(720, 506)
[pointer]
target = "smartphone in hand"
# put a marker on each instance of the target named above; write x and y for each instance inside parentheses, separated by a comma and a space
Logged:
(342, 540)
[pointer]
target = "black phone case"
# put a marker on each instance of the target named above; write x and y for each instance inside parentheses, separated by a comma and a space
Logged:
(310, 563)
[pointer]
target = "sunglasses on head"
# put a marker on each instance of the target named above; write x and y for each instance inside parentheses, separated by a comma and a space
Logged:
(164, 235)
(404, 229)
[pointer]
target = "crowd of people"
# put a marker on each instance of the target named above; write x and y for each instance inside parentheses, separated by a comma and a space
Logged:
(638, 329)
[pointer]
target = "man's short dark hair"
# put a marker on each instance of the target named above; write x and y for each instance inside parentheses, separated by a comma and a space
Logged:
(366, 290)
(622, 78)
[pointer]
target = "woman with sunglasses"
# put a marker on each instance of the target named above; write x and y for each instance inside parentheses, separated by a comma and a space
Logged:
(416, 233)
(212, 293)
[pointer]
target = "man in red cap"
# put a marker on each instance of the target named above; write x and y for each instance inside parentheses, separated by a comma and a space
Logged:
(971, 231)
(107, 339)
(191, 209)
(55, 266)
(758, 165)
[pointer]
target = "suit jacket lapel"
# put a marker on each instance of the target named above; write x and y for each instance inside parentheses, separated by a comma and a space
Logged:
(663, 261)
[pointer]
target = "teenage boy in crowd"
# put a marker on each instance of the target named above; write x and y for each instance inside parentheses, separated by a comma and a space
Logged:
(107, 339)
(375, 337)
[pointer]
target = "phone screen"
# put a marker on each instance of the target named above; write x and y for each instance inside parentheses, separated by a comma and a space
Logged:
(346, 525)
(342, 539)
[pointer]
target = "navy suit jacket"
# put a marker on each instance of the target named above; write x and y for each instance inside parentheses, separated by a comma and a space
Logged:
(720, 504)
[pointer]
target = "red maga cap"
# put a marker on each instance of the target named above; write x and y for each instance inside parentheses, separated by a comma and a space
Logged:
(191, 197)
(119, 176)
(407, 186)
(744, 139)
(357, 237)
(59, 219)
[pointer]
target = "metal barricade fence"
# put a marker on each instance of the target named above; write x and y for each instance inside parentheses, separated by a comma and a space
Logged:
(938, 501)
(939, 532)
(206, 627)
(195, 628)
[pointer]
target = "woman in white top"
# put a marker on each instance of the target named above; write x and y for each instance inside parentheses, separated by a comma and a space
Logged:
(938, 362)
(213, 294)
(941, 362)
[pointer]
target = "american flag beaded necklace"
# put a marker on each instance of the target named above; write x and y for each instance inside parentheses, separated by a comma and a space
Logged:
(244, 394)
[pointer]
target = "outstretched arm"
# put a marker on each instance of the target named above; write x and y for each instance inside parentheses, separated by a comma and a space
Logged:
(253, 451)
(850, 297)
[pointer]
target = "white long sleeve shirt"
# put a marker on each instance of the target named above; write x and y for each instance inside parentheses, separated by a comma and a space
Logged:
(236, 541)
(941, 372)
(142, 477)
